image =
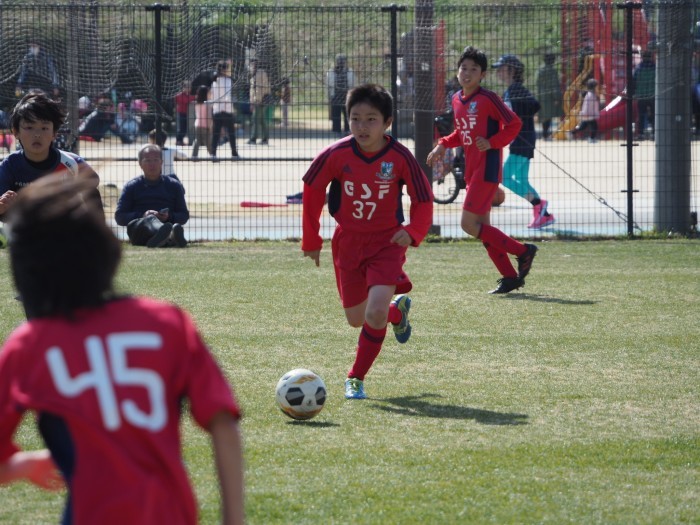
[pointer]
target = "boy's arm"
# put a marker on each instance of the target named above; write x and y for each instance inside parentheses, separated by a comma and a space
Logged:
(313, 201)
(452, 140)
(86, 172)
(226, 440)
(37, 467)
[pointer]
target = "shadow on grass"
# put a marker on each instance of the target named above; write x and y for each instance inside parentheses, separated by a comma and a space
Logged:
(420, 406)
(546, 299)
(314, 424)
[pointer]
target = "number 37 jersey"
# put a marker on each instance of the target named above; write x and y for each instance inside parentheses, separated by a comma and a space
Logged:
(108, 389)
(365, 191)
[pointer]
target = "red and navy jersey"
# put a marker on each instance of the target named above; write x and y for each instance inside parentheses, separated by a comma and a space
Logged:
(108, 388)
(365, 191)
(16, 171)
(482, 114)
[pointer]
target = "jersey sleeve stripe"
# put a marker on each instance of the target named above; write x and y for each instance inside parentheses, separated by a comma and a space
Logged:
(498, 104)
(418, 178)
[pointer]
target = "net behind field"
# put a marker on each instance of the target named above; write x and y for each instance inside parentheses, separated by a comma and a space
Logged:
(109, 51)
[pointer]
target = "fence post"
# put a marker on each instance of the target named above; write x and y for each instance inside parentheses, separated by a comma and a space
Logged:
(393, 9)
(158, 57)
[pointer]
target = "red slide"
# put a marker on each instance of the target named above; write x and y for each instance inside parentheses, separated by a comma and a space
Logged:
(613, 115)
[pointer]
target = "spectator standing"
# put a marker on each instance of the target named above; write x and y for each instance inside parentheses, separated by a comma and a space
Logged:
(590, 111)
(221, 96)
(152, 206)
(338, 81)
(285, 101)
(105, 376)
(260, 99)
(644, 77)
(549, 94)
(38, 71)
(182, 106)
(202, 121)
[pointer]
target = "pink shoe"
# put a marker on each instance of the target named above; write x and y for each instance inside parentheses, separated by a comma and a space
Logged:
(541, 222)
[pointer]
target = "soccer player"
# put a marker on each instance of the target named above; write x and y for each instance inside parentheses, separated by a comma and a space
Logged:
(484, 125)
(105, 375)
(367, 172)
(35, 122)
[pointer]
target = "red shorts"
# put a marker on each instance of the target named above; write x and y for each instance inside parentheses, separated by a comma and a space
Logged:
(479, 198)
(365, 260)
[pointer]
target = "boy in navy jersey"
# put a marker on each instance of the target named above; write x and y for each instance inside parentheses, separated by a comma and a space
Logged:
(35, 122)
(105, 375)
(367, 172)
(484, 125)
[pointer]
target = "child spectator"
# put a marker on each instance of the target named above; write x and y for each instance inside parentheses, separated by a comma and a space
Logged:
(105, 375)
(484, 125)
(285, 101)
(367, 172)
(510, 71)
(590, 111)
(182, 106)
(169, 154)
(202, 122)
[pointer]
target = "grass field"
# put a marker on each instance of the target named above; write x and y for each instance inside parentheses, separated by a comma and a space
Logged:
(574, 400)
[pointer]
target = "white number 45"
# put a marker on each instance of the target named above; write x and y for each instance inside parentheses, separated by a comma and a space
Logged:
(99, 378)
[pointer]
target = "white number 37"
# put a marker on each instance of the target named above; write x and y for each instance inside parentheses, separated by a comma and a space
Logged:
(98, 377)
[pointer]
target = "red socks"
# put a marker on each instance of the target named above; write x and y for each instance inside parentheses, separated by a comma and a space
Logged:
(368, 346)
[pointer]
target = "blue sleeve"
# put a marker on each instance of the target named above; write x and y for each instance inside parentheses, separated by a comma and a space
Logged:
(180, 214)
(125, 213)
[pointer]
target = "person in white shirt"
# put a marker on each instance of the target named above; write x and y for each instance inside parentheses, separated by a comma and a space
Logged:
(221, 98)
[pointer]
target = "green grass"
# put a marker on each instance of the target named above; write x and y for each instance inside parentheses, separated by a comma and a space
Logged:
(574, 400)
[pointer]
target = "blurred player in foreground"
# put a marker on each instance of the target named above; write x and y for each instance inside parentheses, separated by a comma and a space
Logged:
(367, 172)
(105, 375)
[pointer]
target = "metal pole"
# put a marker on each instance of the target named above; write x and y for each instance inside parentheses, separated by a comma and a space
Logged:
(158, 26)
(394, 58)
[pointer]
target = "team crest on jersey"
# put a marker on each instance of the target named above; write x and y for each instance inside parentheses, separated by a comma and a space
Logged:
(472, 107)
(387, 172)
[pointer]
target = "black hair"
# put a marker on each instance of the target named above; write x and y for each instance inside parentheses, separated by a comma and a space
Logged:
(374, 95)
(63, 255)
(476, 54)
(35, 106)
(159, 137)
(202, 92)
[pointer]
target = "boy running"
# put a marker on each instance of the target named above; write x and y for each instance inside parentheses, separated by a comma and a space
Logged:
(367, 172)
(484, 125)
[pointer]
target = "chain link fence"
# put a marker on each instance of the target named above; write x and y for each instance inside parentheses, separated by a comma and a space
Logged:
(120, 70)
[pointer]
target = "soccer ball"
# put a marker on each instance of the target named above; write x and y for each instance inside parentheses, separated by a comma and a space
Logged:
(300, 394)
(499, 197)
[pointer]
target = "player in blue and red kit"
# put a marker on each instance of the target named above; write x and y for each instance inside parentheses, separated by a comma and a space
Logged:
(105, 375)
(367, 173)
(484, 125)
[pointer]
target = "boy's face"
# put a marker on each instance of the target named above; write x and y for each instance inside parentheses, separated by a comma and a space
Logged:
(367, 125)
(470, 75)
(36, 138)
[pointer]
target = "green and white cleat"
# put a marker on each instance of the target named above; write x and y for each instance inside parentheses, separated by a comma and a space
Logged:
(354, 388)
(402, 331)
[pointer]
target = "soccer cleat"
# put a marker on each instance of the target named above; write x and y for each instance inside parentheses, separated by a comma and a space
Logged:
(508, 284)
(161, 237)
(525, 260)
(402, 331)
(178, 236)
(354, 388)
(541, 222)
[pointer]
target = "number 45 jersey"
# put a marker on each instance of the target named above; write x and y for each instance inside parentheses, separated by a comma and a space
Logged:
(365, 191)
(107, 388)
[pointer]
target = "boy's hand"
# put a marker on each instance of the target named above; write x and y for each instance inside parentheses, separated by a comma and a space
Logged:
(314, 255)
(402, 238)
(483, 144)
(437, 153)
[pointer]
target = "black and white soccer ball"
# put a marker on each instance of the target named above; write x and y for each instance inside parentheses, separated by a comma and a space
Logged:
(300, 394)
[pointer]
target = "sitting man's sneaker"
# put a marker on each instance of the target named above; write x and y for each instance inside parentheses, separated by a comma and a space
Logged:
(161, 237)
(354, 389)
(525, 260)
(508, 284)
(177, 236)
(402, 331)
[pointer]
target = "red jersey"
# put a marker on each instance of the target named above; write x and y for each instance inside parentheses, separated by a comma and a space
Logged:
(108, 389)
(482, 114)
(182, 101)
(365, 191)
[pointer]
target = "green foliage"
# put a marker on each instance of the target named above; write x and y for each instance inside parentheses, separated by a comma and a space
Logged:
(573, 400)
